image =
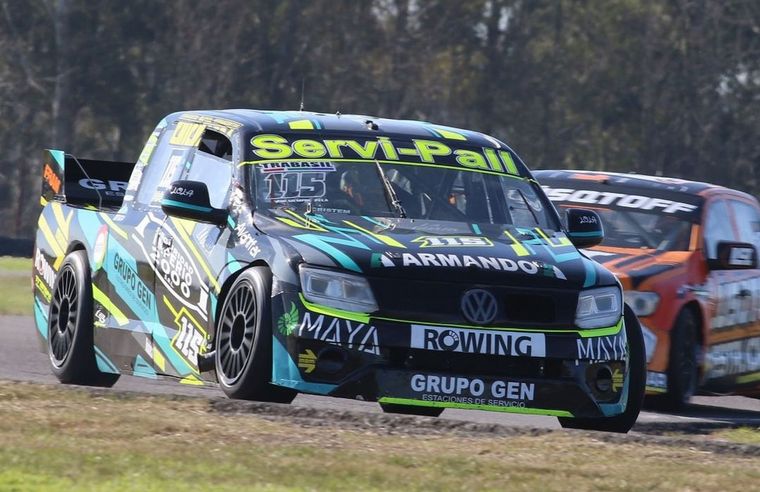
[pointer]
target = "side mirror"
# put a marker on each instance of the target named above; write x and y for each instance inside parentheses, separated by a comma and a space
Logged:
(734, 256)
(190, 200)
(584, 227)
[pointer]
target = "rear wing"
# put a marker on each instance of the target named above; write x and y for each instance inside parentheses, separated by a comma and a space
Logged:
(84, 182)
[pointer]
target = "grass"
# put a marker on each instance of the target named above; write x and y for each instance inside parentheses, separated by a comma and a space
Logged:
(743, 435)
(52, 438)
(15, 286)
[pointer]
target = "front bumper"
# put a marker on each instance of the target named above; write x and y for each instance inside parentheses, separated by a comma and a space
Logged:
(566, 373)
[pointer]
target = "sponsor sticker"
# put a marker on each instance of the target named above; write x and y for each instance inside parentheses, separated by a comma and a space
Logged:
(100, 249)
(392, 260)
(452, 241)
(107, 187)
(277, 148)
(356, 336)
(621, 200)
(488, 342)
(290, 167)
(657, 381)
(473, 391)
(42, 267)
(737, 357)
(602, 348)
(247, 240)
(189, 339)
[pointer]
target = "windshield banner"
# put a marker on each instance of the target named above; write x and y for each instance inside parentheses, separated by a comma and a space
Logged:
(605, 198)
(269, 148)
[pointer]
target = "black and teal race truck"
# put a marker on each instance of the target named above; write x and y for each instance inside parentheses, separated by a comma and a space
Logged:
(275, 252)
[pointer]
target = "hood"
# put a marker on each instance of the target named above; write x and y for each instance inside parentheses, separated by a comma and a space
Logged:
(633, 266)
(435, 250)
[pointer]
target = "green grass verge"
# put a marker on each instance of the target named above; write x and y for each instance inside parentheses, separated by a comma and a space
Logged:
(744, 435)
(15, 286)
(52, 438)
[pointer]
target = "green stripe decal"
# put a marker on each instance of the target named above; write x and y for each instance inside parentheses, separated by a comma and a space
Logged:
(585, 234)
(335, 313)
(100, 296)
(366, 319)
(174, 203)
(594, 332)
(466, 406)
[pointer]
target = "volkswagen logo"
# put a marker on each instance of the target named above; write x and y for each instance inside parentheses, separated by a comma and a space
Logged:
(479, 306)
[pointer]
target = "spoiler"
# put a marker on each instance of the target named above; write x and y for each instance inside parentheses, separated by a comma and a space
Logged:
(84, 182)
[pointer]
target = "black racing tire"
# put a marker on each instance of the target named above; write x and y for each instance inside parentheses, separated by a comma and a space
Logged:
(636, 386)
(411, 409)
(243, 360)
(70, 344)
(683, 369)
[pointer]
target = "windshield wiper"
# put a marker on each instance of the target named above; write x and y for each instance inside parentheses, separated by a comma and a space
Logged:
(530, 209)
(390, 194)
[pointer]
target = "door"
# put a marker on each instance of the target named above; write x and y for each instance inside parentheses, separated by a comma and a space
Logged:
(191, 254)
(739, 355)
(733, 354)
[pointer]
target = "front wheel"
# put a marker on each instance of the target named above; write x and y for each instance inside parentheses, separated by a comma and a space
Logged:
(683, 371)
(243, 359)
(70, 326)
(636, 386)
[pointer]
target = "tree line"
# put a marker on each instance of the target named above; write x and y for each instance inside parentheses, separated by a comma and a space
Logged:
(666, 87)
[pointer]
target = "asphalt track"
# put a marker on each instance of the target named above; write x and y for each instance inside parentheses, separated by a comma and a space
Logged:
(21, 360)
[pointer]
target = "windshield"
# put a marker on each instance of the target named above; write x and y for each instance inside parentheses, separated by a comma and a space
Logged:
(646, 230)
(400, 190)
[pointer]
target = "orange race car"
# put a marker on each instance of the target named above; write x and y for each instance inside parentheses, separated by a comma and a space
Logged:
(686, 254)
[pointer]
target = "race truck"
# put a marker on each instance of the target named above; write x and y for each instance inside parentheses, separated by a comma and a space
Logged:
(686, 254)
(412, 264)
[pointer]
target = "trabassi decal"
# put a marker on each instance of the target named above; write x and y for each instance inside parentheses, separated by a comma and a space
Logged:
(530, 267)
(489, 342)
(277, 148)
(352, 335)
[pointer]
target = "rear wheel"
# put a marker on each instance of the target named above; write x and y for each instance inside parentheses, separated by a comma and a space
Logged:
(411, 409)
(243, 359)
(636, 386)
(70, 326)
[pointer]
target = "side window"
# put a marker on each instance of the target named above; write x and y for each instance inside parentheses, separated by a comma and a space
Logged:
(216, 172)
(717, 227)
(163, 168)
(748, 221)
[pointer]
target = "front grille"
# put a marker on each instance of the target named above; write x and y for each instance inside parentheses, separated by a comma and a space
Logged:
(440, 302)
(475, 364)
(529, 308)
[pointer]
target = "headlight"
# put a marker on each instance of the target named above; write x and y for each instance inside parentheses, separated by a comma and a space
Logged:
(338, 290)
(598, 308)
(642, 303)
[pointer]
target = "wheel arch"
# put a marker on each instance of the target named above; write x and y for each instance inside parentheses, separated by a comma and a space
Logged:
(696, 311)
(225, 289)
